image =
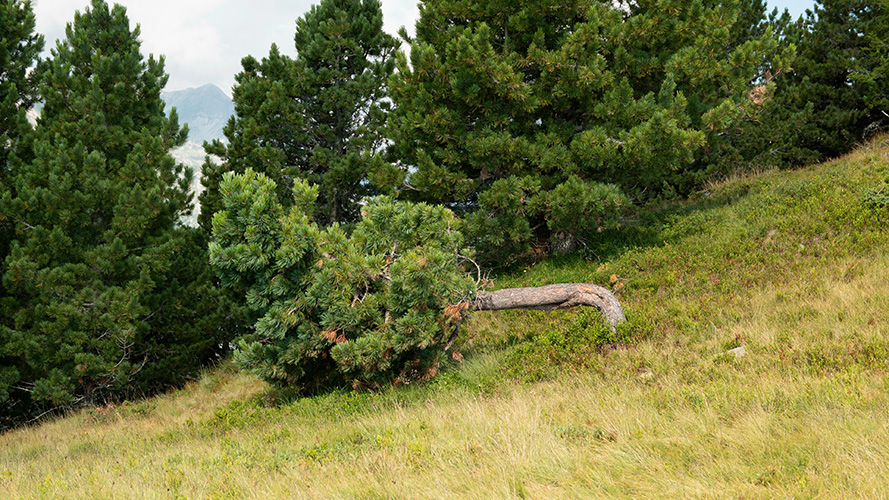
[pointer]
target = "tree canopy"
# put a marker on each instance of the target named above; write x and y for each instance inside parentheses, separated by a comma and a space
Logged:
(19, 48)
(358, 187)
(380, 305)
(106, 298)
(836, 93)
(335, 308)
(540, 117)
(317, 117)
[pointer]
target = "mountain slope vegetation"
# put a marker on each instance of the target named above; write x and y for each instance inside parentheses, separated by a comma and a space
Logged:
(754, 365)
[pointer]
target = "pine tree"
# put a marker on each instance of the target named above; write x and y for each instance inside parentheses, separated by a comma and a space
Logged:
(317, 117)
(334, 309)
(19, 48)
(823, 108)
(873, 74)
(751, 144)
(106, 296)
(581, 92)
(380, 305)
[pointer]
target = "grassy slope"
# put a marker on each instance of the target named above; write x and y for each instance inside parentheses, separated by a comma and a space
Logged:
(793, 266)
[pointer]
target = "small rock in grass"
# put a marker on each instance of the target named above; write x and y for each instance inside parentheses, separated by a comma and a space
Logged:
(737, 352)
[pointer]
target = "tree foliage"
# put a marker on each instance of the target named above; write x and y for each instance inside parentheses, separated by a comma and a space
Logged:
(19, 48)
(516, 123)
(875, 74)
(361, 309)
(837, 91)
(500, 96)
(317, 117)
(109, 295)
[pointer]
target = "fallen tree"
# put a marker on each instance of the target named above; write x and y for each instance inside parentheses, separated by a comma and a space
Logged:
(363, 308)
(552, 297)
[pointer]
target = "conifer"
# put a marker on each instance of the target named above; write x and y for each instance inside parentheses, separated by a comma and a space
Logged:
(318, 116)
(19, 48)
(832, 99)
(105, 282)
(334, 309)
(626, 98)
(380, 305)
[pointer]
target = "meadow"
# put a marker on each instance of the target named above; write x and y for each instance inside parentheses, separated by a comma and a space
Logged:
(753, 365)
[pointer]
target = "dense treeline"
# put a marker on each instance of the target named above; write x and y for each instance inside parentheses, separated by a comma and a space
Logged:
(106, 295)
(837, 94)
(547, 115)
(537, 124)
(512, 129)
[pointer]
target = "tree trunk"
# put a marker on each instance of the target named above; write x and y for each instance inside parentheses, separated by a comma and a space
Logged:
(550, 297)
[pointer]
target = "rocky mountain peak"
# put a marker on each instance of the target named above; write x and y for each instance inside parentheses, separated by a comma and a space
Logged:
(205, 109)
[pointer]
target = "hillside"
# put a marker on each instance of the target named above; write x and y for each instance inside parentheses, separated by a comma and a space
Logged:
(790, 266)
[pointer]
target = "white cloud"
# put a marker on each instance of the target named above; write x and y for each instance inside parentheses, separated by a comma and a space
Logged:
(203, 41)
(398, 13)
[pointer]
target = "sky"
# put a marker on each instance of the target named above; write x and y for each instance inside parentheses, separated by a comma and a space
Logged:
(203, 41)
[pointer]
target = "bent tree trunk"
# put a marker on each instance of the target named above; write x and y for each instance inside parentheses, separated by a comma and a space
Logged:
(550, 297)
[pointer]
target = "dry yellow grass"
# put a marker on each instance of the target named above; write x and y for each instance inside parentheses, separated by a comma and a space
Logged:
(706, 428)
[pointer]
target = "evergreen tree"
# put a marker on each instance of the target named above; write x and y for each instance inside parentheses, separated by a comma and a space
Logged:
(752, 143)
(317, 117)
(873, 75)
(825, 106)
(542, 93)
(19, 48)
(380, 305)
(334, 309)
(106, 296)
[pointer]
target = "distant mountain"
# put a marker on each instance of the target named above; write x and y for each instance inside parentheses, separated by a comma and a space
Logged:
(205, 109)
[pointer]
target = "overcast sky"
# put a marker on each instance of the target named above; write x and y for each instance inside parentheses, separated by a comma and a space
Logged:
(204, 40)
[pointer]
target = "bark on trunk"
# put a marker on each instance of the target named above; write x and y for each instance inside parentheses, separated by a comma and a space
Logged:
(550, 297)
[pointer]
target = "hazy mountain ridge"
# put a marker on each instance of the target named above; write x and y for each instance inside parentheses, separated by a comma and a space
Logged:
(205, 109)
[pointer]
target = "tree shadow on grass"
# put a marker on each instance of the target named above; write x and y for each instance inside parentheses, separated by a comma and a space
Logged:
(659, 223)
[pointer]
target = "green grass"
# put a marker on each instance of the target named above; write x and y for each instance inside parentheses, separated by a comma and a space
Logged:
(793, 266)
